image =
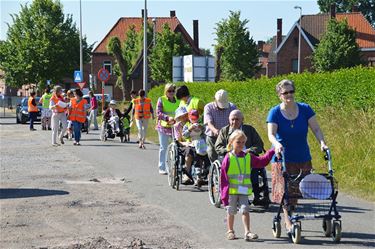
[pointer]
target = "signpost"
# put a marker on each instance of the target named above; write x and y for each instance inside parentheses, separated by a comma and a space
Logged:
(103, 75)
(81, 85)
(77, 76)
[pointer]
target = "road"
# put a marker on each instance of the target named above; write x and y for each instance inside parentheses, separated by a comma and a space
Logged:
(190, 208)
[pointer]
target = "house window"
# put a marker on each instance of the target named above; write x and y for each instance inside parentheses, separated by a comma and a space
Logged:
(371, 61)
(108, 65)
(295, 65)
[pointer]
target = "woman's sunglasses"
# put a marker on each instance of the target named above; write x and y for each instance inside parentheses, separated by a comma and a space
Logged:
(287, 92)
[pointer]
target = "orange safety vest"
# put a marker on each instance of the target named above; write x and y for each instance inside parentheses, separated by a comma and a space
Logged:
(30, 106)
(142, 109)
(78, 110)
(55, 99)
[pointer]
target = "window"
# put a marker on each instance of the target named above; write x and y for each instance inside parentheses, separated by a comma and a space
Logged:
(108, 65)
(295, 65)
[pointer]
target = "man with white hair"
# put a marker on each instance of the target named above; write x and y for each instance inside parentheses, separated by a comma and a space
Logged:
(254, 144)
(215, 117)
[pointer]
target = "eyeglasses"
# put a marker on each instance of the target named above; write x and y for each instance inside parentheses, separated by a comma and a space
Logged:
(287, 92)
(171, 91)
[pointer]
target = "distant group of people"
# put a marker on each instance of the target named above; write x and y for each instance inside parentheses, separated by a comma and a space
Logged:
(226, 136)
(61, 112)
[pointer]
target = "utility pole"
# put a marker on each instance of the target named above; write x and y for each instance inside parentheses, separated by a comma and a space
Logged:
(80, 39)
(299, 37)
(145, 48)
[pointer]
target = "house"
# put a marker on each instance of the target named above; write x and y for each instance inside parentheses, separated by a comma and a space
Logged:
(283, 58)
(100, 57)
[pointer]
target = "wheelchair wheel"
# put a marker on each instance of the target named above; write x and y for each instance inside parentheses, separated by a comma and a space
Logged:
(171, 164)
(214, 184)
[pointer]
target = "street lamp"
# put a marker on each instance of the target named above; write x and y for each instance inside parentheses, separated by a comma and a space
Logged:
(154, 31)
(145, 48)
(80, 39)
(299, 37)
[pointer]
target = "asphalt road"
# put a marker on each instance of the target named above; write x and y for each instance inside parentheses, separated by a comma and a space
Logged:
(190, 207)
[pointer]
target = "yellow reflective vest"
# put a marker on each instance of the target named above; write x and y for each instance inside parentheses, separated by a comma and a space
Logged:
(239, 174)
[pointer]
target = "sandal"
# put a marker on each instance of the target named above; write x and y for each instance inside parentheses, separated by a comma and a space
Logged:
(251, 236)
(230, 235)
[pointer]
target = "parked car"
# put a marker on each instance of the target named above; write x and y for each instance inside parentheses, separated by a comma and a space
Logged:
(22, 114)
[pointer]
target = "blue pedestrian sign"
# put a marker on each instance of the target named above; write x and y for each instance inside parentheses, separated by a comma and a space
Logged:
(78, 76)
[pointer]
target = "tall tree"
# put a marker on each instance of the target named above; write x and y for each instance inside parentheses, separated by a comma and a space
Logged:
(168, 44)
(240, 55)
(366, 7)
(42, 43)
(127, 55)
(337, 48)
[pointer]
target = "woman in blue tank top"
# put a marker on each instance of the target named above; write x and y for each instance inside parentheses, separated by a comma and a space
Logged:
(287, 125)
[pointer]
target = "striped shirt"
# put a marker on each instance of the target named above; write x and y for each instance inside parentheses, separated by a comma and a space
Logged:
(218, 117)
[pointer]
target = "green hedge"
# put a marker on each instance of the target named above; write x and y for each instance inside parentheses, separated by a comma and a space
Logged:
(348, 88)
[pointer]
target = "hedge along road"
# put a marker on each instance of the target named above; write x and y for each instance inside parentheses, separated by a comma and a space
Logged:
(190, 208)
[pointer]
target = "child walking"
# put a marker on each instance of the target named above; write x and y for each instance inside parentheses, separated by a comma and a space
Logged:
(235, 181)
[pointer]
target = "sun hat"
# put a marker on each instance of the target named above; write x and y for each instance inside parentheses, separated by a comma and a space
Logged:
(180, 112)
(193, 114)
(221, 98)
(112, 102)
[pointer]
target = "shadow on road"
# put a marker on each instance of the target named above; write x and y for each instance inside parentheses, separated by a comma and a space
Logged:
(9, 193)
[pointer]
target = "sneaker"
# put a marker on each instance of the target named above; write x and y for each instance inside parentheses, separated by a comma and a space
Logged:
(49, 128)
(186, 180)
(163, 172)
(62, 140)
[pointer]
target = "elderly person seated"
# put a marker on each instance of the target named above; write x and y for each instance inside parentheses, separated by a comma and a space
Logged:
(254, 144)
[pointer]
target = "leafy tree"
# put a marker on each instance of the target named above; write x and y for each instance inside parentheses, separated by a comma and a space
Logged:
(127, 54)
(366, 7)
(337, 48)
(168, 44)
(41, 44)
(239, 57)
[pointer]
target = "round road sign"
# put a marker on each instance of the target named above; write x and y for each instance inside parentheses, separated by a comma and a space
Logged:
(103, 75)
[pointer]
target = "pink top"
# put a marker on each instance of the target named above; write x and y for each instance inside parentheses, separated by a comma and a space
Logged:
(257, 162)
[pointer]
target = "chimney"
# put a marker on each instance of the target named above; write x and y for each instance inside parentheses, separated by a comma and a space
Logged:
(333, 10)
(172, 13)
(196, 33)
(279, 34)
(260, 45)
(143, 13)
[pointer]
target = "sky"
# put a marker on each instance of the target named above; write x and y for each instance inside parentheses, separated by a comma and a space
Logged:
(99, 16)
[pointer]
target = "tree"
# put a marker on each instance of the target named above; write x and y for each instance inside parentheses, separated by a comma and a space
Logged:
(127, 54)
(239, 57)
(168, 44)
(366, 7)
(41, 44)
(337, 48)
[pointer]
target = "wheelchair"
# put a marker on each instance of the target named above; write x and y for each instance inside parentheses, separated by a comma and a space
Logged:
(108, 132)
(175, 162)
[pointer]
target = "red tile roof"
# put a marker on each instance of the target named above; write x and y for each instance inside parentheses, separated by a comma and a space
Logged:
(123, 25)
(365, 32)
(314, 27)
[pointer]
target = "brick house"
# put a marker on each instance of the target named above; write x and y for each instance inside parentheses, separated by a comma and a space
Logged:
(283, 58)
(101, 59)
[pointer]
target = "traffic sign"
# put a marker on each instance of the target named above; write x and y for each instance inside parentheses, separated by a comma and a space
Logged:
(81, 84)
(103, 75)
(78, 76)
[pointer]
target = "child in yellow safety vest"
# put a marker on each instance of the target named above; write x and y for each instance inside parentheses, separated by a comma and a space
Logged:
(235, 181)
